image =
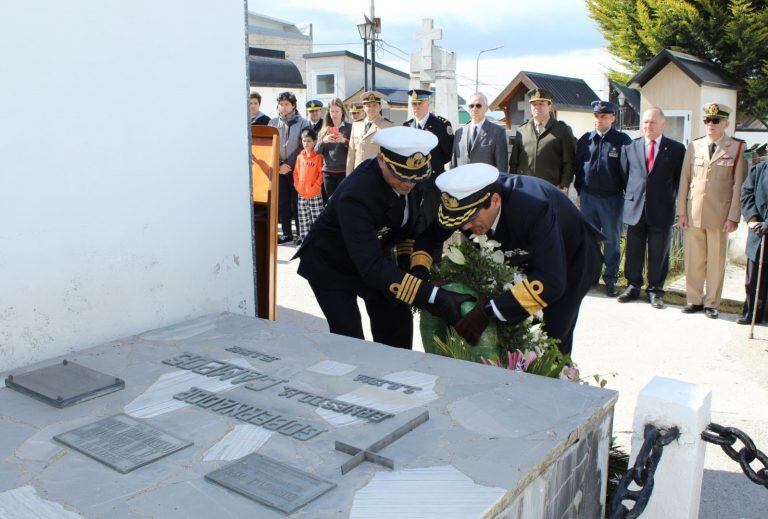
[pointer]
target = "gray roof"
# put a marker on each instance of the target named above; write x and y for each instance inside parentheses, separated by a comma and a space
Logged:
(701, 71)
(346, 53)
(567, 92)
(273, 72)
(399, 96)
(631, 95)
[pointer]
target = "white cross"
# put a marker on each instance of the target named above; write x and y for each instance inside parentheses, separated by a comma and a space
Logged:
(427, 35)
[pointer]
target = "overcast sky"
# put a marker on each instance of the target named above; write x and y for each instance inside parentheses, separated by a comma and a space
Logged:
(549, 36)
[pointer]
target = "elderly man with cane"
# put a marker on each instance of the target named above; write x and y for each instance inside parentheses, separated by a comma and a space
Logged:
(754, 209)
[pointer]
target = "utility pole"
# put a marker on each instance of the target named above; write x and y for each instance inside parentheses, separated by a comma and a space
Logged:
(373, 47)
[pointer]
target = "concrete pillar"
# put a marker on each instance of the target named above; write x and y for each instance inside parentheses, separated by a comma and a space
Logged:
(666, 402)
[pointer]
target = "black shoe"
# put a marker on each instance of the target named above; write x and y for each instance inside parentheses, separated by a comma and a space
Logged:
(284, 239)
(630, 294)
(611, 291)
(711, 313)
(656, 301)
(692, 309)
(744, 319)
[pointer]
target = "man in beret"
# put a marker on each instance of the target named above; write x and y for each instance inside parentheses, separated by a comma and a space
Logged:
(598, 181)
(544, 146)
(423, 119)
(362, 144)
(360, 245)
(561, 251)
(708, 207)
(315, 114)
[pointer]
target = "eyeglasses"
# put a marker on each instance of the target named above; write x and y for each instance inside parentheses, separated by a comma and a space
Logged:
(479, 105)
(712, 120)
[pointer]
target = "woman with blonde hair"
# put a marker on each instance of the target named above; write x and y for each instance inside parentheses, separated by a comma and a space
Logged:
(333, 145)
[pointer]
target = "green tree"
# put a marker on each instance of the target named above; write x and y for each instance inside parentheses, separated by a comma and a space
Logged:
(732, 33)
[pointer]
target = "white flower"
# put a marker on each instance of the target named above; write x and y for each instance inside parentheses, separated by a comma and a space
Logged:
(536, 332)
(480, 239)
(456, 256)
(517, 278)
(498, 257)
(493, 244)
(539, 315)
(508, 286)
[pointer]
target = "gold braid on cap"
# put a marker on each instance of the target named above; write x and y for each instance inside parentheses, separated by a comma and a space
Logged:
(406, 289)
(713, 109)
(454, 221)
(415, 162)
(421, 258)
(528, 295)
(453, 204)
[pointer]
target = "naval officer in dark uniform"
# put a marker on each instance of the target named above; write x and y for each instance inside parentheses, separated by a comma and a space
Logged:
(423, 119)
(521, 212)
(360, 245)
(600, 185)
(315, 114)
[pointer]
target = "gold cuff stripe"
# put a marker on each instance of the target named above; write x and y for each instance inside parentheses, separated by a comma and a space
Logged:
(528, 295)
(421, 258)
(404, 247)
(407, 289)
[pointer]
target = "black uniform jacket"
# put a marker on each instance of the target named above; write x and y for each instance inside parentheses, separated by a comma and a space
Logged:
(442, 129)
(754, 205)
(352, 241)
(596, 168)
(539, 219)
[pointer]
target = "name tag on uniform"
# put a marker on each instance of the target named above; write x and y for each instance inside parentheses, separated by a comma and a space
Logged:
(614, 153)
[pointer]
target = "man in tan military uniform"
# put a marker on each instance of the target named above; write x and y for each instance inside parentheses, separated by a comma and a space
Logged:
(544, 147)
(362, 146)
(708, 207)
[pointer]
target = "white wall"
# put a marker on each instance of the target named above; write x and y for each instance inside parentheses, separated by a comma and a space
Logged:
(124, 175)
(580, 122)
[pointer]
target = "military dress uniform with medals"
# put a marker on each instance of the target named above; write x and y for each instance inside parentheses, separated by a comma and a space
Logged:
(547, 154)
(362, 142)
(360, 246)
(709, 194)
(441, 155)
(562, 253)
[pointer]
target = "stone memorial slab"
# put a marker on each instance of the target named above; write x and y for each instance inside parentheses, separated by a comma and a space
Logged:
(64, 384)
(497, 443)
(270, 482)
(122, 443)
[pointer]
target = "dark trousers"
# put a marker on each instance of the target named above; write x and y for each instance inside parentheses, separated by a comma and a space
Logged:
(288, 205)
(656, 240)
(605, 213)
(330, 182)
(391, 321)
(561, 315)
(750, 285)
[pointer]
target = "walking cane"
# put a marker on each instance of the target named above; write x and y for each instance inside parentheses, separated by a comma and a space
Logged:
(756, 302)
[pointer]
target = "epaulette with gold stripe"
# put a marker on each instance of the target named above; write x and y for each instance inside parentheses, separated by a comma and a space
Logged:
(528, 295)
(407, 289)
(404, 247)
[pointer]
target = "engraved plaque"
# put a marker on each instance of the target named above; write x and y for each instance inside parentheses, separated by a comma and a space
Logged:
(270, 482)
(122, 443)
(64, 384)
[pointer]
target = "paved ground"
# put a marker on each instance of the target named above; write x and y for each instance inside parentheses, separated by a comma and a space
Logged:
(635, 343)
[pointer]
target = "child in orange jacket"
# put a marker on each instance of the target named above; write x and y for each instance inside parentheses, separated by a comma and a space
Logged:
(308, 181)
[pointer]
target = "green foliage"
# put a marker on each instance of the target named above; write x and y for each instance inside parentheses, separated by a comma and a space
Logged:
(732, 33)
(456, 347)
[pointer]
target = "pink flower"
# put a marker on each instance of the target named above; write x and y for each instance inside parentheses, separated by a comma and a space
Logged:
(570, 373)
(520, 361)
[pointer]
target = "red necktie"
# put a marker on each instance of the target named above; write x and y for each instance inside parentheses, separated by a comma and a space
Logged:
(649, 159)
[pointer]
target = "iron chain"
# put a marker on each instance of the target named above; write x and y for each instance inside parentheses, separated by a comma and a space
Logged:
(726, 437)
(642, 473)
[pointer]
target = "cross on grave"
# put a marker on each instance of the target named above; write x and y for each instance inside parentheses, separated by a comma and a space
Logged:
(427, 35)
(369, 454)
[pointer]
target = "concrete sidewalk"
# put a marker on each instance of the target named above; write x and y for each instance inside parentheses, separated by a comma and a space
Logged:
(630, 344)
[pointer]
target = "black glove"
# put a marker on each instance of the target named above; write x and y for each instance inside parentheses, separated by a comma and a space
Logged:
(761, 229)
(420, 271)
(472, 325)
(448, 305)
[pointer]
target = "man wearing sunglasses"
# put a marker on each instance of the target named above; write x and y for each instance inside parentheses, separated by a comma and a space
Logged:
(480, 140)
(708, 208)
(360, 246)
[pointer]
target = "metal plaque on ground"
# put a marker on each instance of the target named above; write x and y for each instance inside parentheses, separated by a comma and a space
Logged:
(122, 443)
(64, 384)
(270, 482)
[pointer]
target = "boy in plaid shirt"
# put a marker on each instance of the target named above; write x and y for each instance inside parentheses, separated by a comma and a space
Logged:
(308, 181)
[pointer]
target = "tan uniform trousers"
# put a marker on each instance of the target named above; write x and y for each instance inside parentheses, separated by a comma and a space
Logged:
(704, 261)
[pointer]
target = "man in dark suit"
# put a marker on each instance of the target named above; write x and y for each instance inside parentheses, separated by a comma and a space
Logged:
(600, 185)
(423, 119)
(520, 212)
(360, 245)
(754, 209)
(650, 166)
(258, 118)
(480, 140)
